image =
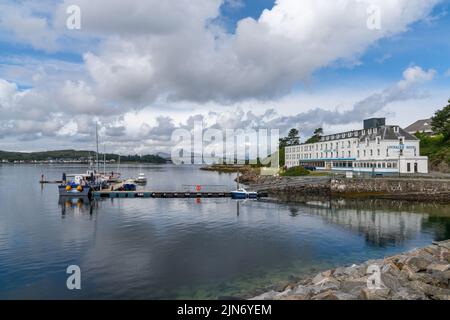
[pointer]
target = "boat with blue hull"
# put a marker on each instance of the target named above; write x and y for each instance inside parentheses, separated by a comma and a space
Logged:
(244, 194)
(80, 185)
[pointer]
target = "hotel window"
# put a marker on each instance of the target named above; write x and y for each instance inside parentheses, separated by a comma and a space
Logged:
(364, 153)
(358, 153)
(367, 141)
(379, 152)
(378, 140)
(349, 154)
(387, 152)
(349, 144)
(371, 152)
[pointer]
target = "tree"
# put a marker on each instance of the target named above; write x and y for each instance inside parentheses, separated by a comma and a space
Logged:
(316, 137)
(293, 137)
(441, 122)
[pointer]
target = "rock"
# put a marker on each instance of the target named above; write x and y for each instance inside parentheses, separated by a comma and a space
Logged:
(283, 294)
(297, 297)
(353, 286)
(402, 277)
(345, 296)
(418, 263)
(430, 291)
(327, 295)
(443, 244)
(390, 281)
(302, 291)
(318, 278)
(326, 286)
(266, 296)
(379, 294)
(438, 267)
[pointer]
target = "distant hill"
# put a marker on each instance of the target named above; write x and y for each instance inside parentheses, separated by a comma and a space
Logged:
(83, 155)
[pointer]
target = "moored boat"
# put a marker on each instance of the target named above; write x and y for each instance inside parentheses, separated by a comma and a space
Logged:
(80, 185)
(141, 179)
(244, 194)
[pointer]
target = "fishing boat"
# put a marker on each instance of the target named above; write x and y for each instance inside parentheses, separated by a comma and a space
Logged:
(82, 185)
(79, 185)
(128, 185)
(244, 194)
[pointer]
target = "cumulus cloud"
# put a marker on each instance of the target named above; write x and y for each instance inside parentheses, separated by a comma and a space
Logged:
(25, 25)
(264, 58)
(148, 54)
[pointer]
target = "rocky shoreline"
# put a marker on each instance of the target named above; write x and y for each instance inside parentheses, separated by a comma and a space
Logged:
(421, 274)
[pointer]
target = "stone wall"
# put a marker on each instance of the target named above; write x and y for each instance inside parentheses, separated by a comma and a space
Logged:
(398, 188)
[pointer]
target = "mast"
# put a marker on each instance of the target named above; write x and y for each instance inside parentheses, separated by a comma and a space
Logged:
(96, 138)
(104, 159)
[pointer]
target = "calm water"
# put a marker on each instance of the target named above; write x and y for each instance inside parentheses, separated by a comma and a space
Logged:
(187, 248)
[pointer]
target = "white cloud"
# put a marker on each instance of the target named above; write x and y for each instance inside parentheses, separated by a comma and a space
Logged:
(27, 27)
(263, 59)
(170, 56)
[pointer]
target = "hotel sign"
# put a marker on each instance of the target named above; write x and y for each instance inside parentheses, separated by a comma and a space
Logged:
(401, 147)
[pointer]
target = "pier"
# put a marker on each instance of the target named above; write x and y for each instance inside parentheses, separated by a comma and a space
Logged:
(165, 194)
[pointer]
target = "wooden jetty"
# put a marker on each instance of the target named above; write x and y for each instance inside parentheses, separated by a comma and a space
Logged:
(49, 182)
(164, 194)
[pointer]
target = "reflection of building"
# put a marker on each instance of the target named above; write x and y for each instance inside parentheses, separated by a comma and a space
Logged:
(422, 126)
(380, 227)
(377, 148)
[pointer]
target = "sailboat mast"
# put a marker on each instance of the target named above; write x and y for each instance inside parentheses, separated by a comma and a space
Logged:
(104, 159)
(96, 138)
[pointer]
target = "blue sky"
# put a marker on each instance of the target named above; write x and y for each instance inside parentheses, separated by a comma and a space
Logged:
(119, 71)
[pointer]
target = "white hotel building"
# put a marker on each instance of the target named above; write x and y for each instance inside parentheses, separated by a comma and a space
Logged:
(378, 148)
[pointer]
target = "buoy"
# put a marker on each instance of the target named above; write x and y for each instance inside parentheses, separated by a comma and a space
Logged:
(80, 188)
(68, 188)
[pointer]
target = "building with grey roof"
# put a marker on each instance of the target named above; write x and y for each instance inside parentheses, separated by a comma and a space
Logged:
(378, 148)
(423, 126)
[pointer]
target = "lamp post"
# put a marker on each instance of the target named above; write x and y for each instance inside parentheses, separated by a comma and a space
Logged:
(400, 154)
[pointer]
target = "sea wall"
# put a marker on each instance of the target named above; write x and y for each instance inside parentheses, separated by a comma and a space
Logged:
(396, 188)
(299, 189)
(422, 274)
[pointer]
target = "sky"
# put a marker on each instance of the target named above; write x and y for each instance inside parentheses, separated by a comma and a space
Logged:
(142, 69)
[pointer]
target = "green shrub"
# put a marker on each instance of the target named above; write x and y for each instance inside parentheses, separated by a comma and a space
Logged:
(295, 172)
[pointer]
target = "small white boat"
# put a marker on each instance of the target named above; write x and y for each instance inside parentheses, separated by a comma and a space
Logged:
(141, 178)
(244, 194)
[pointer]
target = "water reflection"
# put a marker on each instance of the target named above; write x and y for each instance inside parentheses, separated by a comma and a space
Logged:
(188, 248)
(81, 205)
